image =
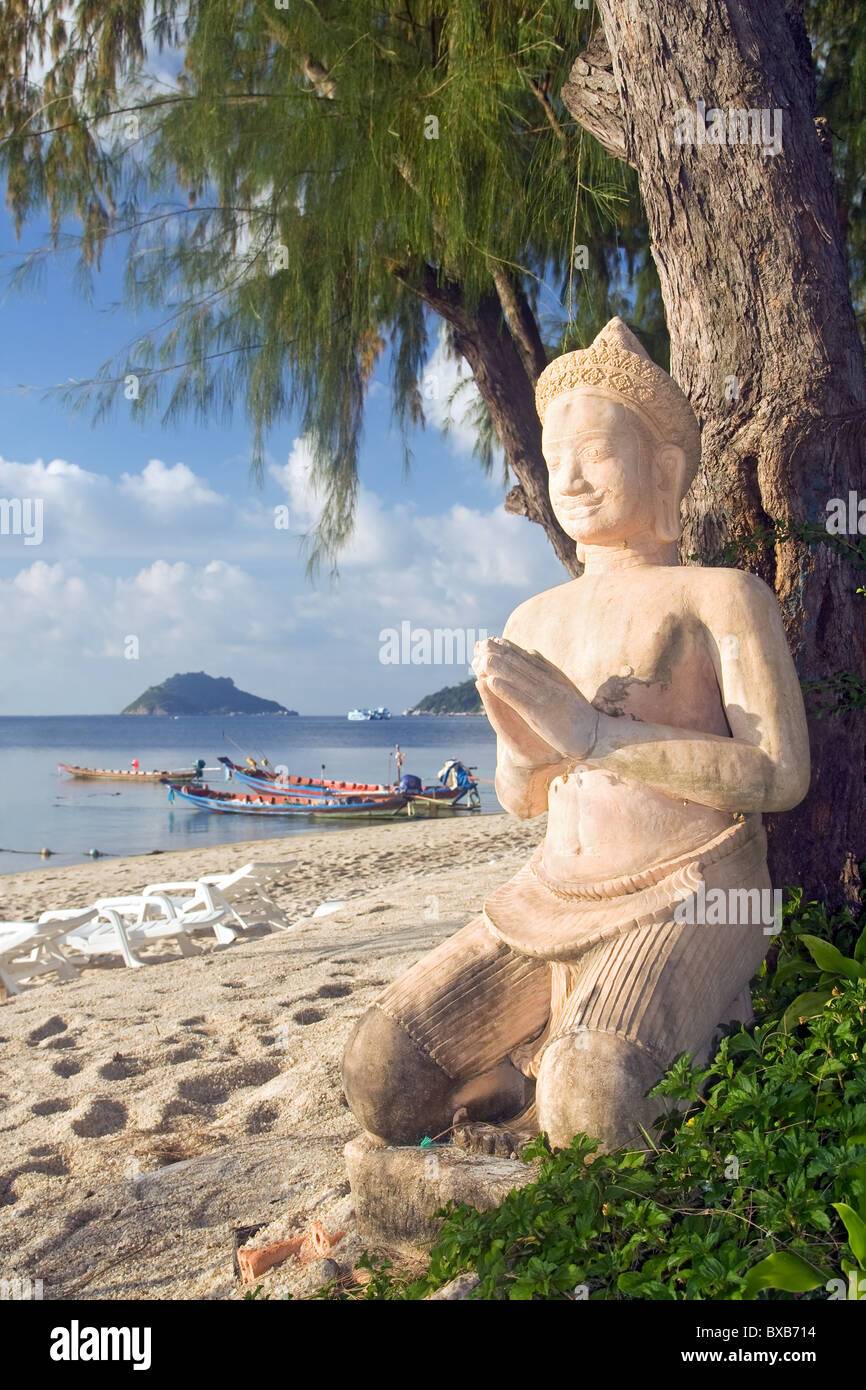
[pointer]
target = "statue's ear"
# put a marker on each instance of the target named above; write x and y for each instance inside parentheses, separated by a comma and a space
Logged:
(669, 474)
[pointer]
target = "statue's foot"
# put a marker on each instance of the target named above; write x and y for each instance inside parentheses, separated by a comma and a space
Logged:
(496, 1141)
(399, 1094)
(392, 1085)
(500, 1141)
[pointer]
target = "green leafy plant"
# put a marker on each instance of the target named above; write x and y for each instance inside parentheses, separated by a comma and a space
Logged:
(757, 1189)
(781, 1270)
(830, 967)
(836, 694)
(790, 964)
(806, 532)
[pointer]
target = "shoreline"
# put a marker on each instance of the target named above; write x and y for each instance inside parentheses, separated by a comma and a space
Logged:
(148, 1113)
(313, 830)
(25, 893)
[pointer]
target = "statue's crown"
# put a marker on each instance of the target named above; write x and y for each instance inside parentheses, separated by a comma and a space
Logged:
(616, 364)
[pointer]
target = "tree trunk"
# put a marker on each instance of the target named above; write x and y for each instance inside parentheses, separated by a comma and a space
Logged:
(763, 341)
(503, 348)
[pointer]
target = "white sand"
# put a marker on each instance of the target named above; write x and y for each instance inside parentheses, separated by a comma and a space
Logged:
(144, 1114)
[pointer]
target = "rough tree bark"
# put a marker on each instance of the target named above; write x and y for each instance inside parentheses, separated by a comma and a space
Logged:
(753, 273)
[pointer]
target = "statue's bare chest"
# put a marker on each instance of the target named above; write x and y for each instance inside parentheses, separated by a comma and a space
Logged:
(633, 659)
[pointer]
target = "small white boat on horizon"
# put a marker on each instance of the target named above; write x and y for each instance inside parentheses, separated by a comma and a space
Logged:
(381, 712)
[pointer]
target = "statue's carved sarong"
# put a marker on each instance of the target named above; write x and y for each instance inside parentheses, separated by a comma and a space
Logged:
(546, 959)
(537, 915)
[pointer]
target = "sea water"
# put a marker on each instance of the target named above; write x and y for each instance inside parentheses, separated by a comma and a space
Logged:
(41, 808)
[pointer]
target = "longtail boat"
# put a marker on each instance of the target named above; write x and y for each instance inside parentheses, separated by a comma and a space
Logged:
(275, 805)
(266, 781)
(446, 796)
(443, 797)
(117, 774)
(297, 787)
(263, 778)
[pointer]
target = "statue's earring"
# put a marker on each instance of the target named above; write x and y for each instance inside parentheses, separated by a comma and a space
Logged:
(580, 553)
(669, 470)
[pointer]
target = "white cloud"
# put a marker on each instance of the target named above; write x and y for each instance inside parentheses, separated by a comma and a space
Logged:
(142, 514)
(295, 476)
(168, 488)
(206, 583)
(450, 397)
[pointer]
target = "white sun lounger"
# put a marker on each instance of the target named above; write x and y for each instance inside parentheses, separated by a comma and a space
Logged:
(106, 935)
(124, 924)
(155, 916)
(244, 894)
(28, 949)
(247, 893)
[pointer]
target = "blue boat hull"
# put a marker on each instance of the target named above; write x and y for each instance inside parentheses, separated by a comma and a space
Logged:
(341, 811)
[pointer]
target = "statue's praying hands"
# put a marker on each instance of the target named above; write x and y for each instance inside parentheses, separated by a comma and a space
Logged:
(539, 714)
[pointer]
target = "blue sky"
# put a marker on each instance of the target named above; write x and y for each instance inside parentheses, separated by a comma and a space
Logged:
(159, 534)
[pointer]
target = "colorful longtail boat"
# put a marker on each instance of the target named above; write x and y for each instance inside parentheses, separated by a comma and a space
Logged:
(106, 774)
(275, 805)
(266, 781)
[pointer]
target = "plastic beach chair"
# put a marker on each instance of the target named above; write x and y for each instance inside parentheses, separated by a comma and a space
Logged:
(247, 893)
(156, 916)
(28, 949)
(105, 936)
(125, 924)
(244, 895)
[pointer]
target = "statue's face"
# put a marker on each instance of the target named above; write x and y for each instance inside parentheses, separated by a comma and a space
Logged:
(599, 457)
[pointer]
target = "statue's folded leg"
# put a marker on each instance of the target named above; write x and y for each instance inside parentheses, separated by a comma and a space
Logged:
(625, 1011)
(439, 1037)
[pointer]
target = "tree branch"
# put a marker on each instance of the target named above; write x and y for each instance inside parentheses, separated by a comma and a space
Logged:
(592, 97)
(521, 324)
(547, 107)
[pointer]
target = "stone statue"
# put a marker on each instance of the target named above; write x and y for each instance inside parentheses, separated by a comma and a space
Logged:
(653, 710)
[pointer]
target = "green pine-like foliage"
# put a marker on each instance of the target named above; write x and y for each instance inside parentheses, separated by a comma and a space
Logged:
(288, 199)
(290, 180)
(838, 33)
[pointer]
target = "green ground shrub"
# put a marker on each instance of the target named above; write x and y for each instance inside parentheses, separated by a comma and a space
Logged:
(756, 1190)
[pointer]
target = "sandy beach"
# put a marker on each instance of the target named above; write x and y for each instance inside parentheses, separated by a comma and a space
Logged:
(146, 1114)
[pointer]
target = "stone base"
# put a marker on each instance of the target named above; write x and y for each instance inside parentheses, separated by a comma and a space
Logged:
(397, 1190)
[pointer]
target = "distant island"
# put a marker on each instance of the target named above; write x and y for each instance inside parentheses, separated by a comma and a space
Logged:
(452, 699)
(197, 693)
